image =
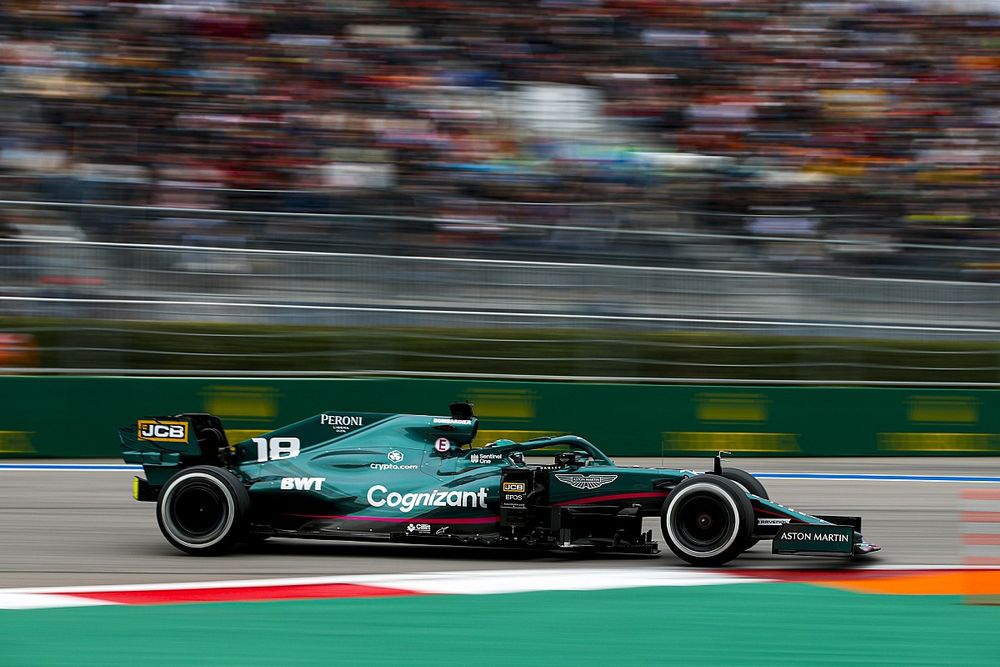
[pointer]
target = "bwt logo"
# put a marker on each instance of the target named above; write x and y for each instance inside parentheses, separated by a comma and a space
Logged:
(302, 483)
(162, 431)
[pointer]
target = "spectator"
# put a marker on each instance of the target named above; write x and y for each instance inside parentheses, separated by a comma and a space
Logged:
(870, 115)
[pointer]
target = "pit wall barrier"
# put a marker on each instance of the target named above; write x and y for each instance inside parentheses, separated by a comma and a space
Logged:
(76, 417)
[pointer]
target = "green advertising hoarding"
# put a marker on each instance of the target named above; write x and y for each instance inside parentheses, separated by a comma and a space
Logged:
(76, 416)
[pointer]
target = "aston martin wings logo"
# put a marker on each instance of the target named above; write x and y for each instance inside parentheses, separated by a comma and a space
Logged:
(585, 482)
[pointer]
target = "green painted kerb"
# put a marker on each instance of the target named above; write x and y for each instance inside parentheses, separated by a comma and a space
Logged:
(76, 416)
(747, 624)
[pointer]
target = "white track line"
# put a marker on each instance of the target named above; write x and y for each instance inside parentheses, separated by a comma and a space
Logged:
(487, 582)
(540, 579)
(448, 583)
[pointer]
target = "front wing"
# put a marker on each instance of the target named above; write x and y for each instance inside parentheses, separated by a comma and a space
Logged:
(797, 533)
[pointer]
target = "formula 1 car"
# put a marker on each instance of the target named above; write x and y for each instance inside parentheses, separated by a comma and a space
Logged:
(414, 478)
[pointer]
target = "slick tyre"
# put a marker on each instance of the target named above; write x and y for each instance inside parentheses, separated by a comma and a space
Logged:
(707, 520)
(746, 480)
(203, 510)
(751, 484)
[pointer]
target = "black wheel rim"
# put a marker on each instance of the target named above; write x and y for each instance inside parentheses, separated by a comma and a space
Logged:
(704, 521)
(198, 510)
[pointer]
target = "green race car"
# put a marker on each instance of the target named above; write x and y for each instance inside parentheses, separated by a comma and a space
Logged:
(417, 478)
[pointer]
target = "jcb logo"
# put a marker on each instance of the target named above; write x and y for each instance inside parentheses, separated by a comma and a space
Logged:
(302, 483)
(513, 487)
(162, 431)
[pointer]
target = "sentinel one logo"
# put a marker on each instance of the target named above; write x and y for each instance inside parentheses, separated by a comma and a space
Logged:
(379, 496)
(161, 431)
(486, 457)
(815, 537)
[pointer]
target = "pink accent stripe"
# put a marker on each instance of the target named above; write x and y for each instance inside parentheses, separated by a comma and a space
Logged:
(771, 512)
(615, 496)
(246, 594)
(391, 519)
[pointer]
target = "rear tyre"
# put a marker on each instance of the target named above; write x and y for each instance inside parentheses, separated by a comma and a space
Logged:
(707, 520)
(751, 484)
(202, 510)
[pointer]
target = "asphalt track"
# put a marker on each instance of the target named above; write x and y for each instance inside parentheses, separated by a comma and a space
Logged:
(61, 527)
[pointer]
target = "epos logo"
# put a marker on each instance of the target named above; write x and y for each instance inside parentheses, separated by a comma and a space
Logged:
(162, 431)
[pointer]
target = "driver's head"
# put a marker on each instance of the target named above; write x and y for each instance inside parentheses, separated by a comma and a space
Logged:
(571, 458)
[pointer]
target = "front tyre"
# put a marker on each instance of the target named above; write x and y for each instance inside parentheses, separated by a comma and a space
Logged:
(202, 510)
(751, 484)
(707, 520)
(746, 480)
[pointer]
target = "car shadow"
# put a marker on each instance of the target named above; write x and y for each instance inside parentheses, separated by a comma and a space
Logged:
(455, 555)
(451, 553)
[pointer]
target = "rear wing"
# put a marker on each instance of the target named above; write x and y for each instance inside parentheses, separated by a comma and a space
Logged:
(164, 443)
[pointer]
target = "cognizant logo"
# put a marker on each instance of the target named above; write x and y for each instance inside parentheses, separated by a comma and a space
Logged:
(379, 496)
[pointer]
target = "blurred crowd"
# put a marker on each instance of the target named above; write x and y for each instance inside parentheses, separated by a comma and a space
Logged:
(513, 124)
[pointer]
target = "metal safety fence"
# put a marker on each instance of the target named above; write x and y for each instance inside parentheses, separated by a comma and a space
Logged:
(216, 283)
(105, 306)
